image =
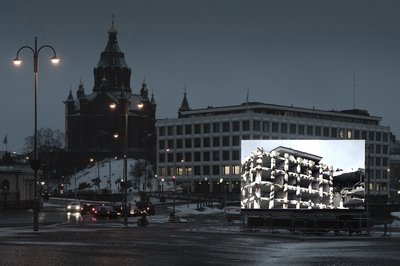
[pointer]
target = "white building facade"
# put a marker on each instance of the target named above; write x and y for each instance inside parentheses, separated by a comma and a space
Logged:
(202, 147)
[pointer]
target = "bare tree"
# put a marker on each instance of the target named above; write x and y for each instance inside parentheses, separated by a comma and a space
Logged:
(48, 140)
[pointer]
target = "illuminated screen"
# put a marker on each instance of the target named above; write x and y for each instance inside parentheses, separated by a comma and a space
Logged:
(302, 174)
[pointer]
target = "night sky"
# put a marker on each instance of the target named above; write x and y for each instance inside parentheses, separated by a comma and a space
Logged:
(301, 53)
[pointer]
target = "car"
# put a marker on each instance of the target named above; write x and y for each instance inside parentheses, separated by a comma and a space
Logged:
(74, 206)
(88, 208)
(105, 211)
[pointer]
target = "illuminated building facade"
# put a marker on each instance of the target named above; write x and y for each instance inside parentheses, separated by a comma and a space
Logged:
(202, 147)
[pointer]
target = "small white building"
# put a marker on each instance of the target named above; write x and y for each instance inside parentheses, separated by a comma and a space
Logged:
(16, 191)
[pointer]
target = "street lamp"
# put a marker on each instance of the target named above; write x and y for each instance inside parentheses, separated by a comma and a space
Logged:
(125, 165)
(162, 190)
(35, 164)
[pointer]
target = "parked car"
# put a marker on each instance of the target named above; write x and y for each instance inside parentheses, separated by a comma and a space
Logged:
(105, 211)
(88, 208)
(74, 206)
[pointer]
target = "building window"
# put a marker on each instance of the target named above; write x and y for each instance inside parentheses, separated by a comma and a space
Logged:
(225, 127)
(197, 170)
(378, 173)
(246, 137)
(301, 129)
(385, 149)
(178, 130)
(188, 129)
(385, 137)
(206, 142)
(235, 141)
(188, 143)
(225, 141)
(161, 157)
(162, 171)
(235, 126)
(215, 169)
(371, 135)
(378, 161)
(170, 157)
(292, 129)
(179, 156)
(326, 132)
(197, 142)
(384, 162)
(188, 156)
(236, 170)
(284, 128)
(161, 143)
(197, 157)
(189, 171)
(310, 130)
(215, 155)
(179, 143)
(170, 130)
(275, 126)
(226, 170)
(197, 129)
(246, 125)
(170, 144)
(206, 169)
(318, 131)
(215, 141)
(378, 149)
(334, 132)
(215, 127)
(225, 155)
(206, 128)
(256, 125)
(357, 134)
(378, 136)
(341, 133)
(235, 155)
(206, 156)
(266, 126)
(364, 135)
(161, 131)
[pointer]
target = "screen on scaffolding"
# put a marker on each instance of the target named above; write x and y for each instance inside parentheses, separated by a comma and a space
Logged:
(302, 174)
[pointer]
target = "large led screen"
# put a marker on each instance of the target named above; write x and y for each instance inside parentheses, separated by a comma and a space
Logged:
(302, 174)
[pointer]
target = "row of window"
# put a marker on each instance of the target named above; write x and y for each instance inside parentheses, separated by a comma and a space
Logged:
(199, 170)
(197, 156)
(272, 127)
(234, 141)
(206, 142)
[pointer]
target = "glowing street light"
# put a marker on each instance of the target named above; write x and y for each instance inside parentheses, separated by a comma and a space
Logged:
(35, 164)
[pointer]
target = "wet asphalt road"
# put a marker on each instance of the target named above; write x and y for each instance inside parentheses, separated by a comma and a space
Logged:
(185, 244)
(63, 240)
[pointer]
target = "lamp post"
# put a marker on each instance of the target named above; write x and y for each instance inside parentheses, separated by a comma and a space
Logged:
(162, 190)
(35, 164)
(125, 163)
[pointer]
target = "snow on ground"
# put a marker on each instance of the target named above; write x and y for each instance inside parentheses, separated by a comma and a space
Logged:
(112, 169)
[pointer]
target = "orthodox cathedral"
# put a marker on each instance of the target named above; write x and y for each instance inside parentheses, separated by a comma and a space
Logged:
(95, 122)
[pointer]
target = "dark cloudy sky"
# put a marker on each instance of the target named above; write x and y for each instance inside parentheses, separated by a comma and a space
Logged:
(298, 52)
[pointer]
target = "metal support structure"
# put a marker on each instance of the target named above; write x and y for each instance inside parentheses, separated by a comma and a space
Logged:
(35, 162)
